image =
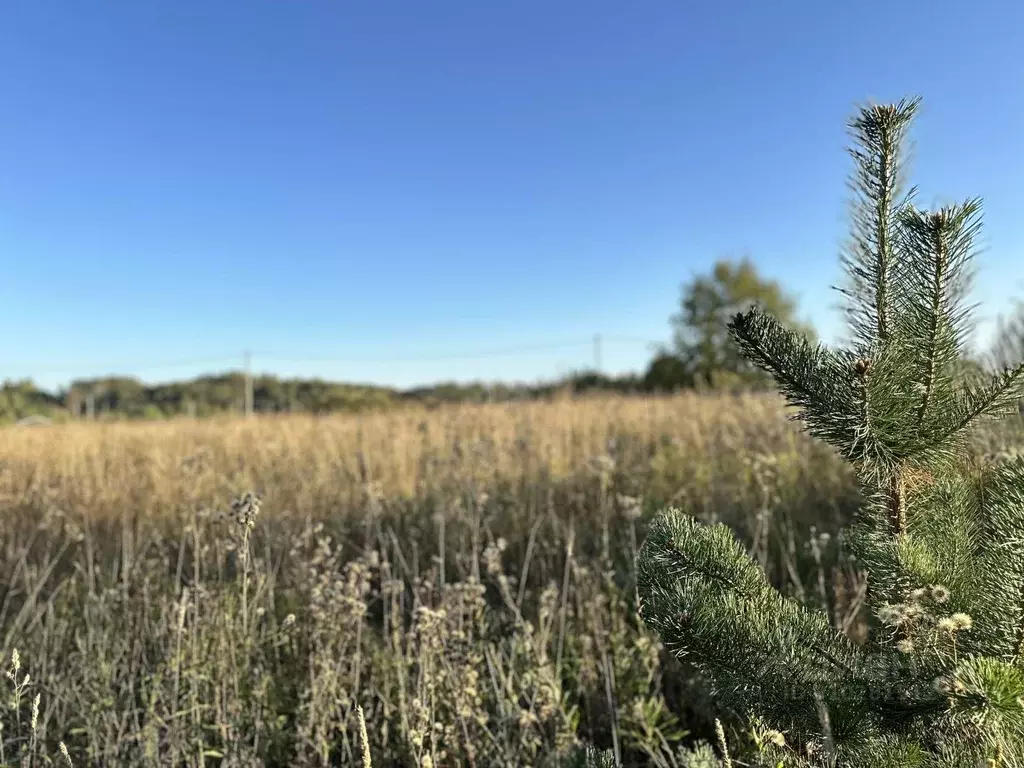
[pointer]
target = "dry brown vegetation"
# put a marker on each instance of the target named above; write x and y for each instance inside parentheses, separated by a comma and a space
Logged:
(305, 463)
(465, 575)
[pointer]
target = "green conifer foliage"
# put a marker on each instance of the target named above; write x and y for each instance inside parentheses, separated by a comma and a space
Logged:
(940, 679)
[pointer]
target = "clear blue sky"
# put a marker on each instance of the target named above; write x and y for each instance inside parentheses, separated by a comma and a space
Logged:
(392, 184)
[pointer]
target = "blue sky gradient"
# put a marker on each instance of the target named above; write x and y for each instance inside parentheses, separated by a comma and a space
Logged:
(366, 190)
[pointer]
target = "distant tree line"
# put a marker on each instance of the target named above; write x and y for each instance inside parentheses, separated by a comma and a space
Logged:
(116, 398)
(700, 356)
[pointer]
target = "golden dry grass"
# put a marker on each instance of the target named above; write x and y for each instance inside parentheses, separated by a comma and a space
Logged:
(464, 575)
(303, 462)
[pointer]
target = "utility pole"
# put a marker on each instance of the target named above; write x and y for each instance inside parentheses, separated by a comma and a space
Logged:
(248, 384)
(90, 405)
(597, 353)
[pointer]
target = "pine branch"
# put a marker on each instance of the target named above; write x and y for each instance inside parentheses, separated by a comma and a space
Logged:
(940, 683)
(937, 248)
(897, 510)
(999, 398)
(814, 378)
(999, 600)
(708, 600)
(879, 132)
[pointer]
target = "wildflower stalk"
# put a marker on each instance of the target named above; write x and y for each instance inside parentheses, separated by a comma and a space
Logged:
(246, 509)
(364, 741)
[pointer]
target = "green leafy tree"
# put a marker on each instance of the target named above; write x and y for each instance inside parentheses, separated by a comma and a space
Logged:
(19, 399)
(701, 340)
(940, 679)
(667, 373)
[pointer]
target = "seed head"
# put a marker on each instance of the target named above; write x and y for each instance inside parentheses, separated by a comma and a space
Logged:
(890, 614)
(962, 621)
(776, 738)
(245, 510)
(364, 741)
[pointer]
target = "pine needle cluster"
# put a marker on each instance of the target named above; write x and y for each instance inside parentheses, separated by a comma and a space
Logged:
(939, 682)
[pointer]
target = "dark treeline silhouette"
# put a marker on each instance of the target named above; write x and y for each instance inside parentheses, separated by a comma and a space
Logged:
(115, 398)
(701, 356)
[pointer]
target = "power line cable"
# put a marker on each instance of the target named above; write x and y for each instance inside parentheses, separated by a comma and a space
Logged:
(632, 340)
(424, 357)
(285, 357)
(152, 366)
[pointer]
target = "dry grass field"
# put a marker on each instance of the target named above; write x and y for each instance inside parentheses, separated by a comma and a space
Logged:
(208, 593)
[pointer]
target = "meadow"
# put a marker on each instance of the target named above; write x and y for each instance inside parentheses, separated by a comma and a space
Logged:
(237, 592)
